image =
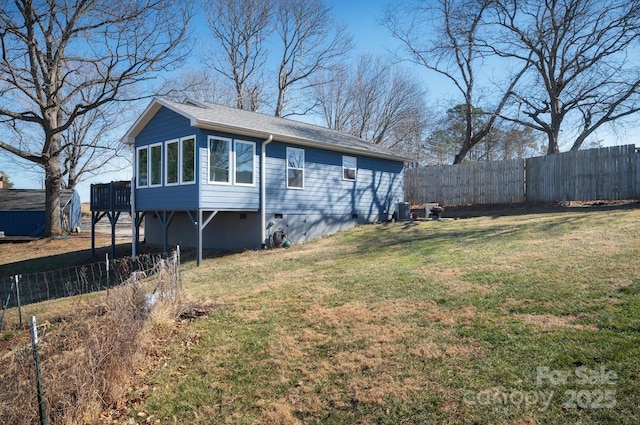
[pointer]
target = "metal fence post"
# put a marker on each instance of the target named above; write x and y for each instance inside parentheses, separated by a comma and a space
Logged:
(108, 280)
(17, 278)
(36, 357)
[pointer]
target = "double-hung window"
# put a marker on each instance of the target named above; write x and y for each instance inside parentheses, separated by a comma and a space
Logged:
(231, 161)
(173, 159)
(349, 167)
(172, 162)
(295, 168)
(155, 165)
(142, 161)
(219, 160)
(188, 160)
(245, 153)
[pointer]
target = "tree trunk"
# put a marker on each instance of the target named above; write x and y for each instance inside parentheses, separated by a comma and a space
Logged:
(553, 143)
(462, 154)
(53, 180)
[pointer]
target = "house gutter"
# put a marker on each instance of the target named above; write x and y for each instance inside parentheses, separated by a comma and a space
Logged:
(263, 188)
(134, 247)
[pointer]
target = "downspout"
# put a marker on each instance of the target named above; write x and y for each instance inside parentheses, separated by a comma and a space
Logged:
(134, 224)
(263, 189)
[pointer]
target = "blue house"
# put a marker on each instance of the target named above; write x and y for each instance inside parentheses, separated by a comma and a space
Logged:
(214, 177)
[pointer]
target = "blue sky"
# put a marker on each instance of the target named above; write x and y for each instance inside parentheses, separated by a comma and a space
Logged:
(362, 19)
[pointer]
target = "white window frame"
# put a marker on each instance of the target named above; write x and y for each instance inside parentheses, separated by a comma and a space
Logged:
(138, 150)
(166, 162)
(151, 169)
(235, 162)
(292, 149)
(181, 160)
(230, 159)
(345, 168)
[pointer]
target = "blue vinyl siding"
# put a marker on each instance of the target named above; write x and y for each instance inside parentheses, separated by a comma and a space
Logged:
(229, 197)
(327, 202)
(378, 186)
(164, 126)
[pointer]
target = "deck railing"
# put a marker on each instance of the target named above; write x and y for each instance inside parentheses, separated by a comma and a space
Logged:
(114, 196)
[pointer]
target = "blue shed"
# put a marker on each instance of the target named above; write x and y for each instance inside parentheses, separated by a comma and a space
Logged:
(215, 177)
(22, 212)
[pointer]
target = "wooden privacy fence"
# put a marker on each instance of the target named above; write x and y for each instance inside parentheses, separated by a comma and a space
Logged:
(611, 173)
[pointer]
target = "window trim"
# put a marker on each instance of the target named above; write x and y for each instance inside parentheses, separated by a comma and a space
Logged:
(151, 169)
(354, 168)
(181, 160)
(138, 150)
(237, 142)
(292, 149)
(166, 162)
(230, 176)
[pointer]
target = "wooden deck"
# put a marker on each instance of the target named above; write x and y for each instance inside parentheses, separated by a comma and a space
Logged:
(114, 196)
(110, 200)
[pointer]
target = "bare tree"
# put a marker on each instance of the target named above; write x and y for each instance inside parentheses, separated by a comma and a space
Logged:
(455, 50)
(201, 84)
(62, 60)
(332, 96)
(311, 43)
(377, 101)
(239, 30)
(386, 98)
(90, 145)
(580, 54)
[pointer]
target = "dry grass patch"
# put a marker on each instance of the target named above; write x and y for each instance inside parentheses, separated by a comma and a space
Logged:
(452, 280)
(551, 321)
(463, 316)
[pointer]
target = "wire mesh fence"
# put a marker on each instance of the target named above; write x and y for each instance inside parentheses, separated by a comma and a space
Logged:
(20, 290)
(85, 354)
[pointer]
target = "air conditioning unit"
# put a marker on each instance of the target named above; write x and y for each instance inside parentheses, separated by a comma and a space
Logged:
(403, 210)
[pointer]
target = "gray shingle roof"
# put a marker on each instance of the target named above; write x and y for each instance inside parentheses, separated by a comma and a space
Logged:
(27, 199)
(223, 118)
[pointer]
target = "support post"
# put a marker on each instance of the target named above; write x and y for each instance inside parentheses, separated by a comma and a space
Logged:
(199, 261)
(93, 233)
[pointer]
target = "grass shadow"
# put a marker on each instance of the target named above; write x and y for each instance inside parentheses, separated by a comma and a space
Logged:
(515, 209)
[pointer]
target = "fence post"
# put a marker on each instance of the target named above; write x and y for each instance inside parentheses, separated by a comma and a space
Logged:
(17, 278)
(36, 357)
(177, 266)
(108, 280)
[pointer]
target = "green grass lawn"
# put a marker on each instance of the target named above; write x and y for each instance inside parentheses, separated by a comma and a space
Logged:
(526, 319)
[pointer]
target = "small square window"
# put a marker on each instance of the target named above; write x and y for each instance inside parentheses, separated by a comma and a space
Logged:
(349, 167)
